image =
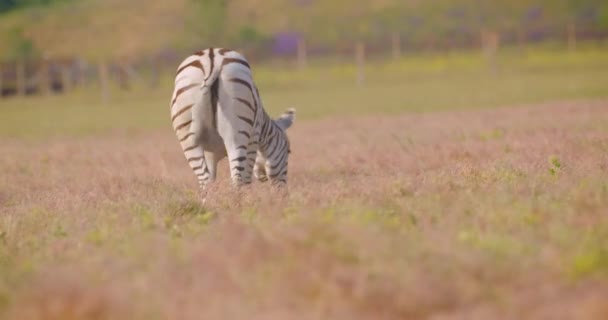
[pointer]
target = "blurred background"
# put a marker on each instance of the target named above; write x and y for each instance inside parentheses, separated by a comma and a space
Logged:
(306, 53)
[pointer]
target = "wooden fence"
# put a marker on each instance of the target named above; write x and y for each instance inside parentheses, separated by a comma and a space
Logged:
(54, 76)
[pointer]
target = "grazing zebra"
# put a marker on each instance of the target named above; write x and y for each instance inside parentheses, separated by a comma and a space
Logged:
(216, 112)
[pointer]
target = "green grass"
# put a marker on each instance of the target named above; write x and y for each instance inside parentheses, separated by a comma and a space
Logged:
(418, 83)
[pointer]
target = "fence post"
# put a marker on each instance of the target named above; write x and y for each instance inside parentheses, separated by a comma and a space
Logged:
(44, 79)
(360, 61)
(1, 80)
(66, 84)
(490, 40)
(571, 35)
(396, 45)
(104, 81)
(521, 39)
(302, 58)
(20, 77)
(124, 78)
(81, 76)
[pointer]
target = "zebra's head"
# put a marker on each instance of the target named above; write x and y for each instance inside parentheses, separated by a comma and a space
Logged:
(286, 119)
(276, 167)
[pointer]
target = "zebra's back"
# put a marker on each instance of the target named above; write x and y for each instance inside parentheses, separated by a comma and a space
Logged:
(216, 111)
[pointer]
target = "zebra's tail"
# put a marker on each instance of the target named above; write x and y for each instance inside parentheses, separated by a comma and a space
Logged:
(204, 108)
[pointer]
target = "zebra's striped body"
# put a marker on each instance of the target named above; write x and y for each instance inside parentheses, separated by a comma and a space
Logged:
(216, 112)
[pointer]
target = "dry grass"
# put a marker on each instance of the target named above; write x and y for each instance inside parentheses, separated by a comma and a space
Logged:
(457, 215)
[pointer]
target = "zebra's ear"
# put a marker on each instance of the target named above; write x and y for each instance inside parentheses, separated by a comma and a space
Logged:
(286, 119)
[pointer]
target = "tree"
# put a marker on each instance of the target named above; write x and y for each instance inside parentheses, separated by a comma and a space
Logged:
(6, 5)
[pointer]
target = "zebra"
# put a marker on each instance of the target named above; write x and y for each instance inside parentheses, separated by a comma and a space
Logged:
(216, 111)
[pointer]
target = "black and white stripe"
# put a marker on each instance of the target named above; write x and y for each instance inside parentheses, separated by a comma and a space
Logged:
(216, 112)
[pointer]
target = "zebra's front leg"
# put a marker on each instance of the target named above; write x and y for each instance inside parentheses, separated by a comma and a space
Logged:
(235, 125)
(259, 169)
(276, 166)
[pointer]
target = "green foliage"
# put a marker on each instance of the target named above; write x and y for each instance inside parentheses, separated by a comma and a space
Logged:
(7, 5)
(97, 236)
(603, 17)
(590, 262)
(60, 232)
(439, 20)
(186, 209)
(591, 257)
(203, 23)
(492, 135)
(249, 34)
(555, 165)
(22, 46)
(497, 245)
(207, 20)
(178, 216)
(145, 217)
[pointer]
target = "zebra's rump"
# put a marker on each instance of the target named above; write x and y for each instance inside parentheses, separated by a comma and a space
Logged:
(216, 111)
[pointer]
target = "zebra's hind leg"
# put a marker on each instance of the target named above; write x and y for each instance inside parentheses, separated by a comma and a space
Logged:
(235, 125)
(203, 182)
(238, 145)
(195, 156)
(240, 170)
(206, 181)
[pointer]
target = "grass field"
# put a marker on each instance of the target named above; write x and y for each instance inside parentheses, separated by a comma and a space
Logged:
(437, 191)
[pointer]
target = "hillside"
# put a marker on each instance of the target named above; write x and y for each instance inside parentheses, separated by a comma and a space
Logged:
(117, 29)
(114, 28)
(93, 29)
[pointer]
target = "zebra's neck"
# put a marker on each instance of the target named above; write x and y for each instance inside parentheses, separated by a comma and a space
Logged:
(269, 132)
